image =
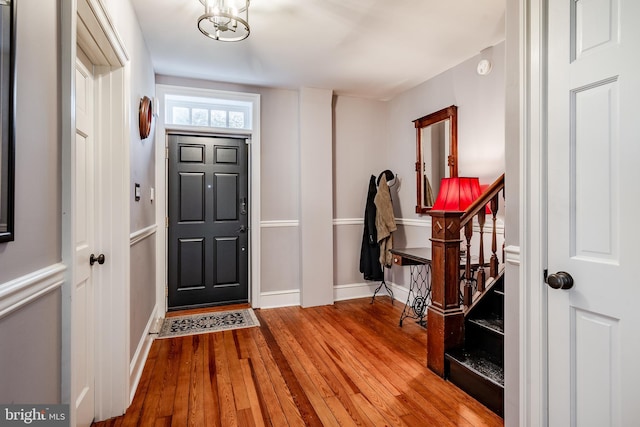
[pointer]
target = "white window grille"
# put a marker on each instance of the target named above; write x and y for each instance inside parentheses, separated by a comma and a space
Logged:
(207, 112)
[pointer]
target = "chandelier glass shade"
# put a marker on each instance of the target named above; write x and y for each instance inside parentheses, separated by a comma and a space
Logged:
(225, 20)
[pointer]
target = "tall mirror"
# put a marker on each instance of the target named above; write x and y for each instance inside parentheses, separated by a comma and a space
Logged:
(7, 64)
(436, 154)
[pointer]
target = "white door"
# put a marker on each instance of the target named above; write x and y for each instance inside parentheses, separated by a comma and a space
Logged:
(82, 344)
(593, 203)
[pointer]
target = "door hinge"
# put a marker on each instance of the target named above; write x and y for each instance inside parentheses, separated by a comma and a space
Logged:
(166, 222)
(166, 152)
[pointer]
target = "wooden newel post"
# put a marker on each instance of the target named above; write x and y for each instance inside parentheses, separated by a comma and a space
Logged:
(445, 317)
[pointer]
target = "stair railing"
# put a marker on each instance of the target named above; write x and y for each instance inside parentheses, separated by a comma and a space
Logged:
(445, 314)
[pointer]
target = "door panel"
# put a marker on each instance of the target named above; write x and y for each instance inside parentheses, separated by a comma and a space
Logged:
(593, 134)
(227, 253)
(226, 197)
(83, 374)
(191, 263)
(208, 233)
(191, 197)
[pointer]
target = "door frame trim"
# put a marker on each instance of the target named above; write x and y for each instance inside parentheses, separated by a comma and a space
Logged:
(253, 135)
(533, 348)
(111, 80)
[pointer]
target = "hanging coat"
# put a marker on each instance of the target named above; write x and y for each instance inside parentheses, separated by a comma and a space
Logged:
(385, 222)
(370, 250)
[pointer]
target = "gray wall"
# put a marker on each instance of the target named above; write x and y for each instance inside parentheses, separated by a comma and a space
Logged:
(142, 274)
(280, 188)
(37, 201)
(360, 137)
(142, 291)
(30, 359)
(368, 137)
(30, 350)
(480, 101)
(279, 180)
(481, 140)
(31, 336)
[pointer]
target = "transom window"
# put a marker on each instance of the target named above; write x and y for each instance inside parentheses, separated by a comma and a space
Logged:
(207, 112)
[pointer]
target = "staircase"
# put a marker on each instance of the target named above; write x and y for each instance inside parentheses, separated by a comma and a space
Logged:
(478, 368)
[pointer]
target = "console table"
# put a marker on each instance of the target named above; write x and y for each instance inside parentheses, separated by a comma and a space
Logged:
(419, 261)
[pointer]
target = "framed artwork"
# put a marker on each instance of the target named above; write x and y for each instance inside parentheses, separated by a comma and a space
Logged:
(7, 111)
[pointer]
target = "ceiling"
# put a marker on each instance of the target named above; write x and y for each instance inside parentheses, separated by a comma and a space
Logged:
(366, 48)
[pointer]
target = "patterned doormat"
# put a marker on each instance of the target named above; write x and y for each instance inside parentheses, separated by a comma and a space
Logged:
(207, 322)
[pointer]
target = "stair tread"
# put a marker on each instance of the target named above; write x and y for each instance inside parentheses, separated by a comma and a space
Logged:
(479, 362)
(493, 322)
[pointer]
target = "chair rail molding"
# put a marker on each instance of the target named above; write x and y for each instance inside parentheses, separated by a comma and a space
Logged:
(142, 234)
(414, 222)
(19, 292)
(512, 255)
(276, 223)
(348, 221)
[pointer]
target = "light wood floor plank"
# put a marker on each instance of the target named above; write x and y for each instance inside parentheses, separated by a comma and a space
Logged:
(226, 398)
(211, 408)
(180, 416)
(313, 384)
(272, 386)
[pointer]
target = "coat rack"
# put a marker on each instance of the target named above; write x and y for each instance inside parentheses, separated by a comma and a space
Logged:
(390, 176)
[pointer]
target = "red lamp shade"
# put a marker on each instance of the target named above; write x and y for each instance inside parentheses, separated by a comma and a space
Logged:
(456, 194)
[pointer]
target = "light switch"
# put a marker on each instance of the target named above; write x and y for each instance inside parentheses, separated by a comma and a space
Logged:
(153, 194)
(137, 192)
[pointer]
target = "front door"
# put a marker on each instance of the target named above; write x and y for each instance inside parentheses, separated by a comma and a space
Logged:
(593, 205)
(208, 221)
(82, 350)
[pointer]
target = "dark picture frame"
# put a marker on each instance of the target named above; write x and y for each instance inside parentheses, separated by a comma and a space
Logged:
(7, 114)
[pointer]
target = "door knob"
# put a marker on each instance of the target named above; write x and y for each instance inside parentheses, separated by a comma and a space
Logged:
(560, 280)
(100, 259)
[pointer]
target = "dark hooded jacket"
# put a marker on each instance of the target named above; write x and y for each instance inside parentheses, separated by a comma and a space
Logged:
(370, 250)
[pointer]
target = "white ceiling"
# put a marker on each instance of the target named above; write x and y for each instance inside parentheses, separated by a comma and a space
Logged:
(367, 48)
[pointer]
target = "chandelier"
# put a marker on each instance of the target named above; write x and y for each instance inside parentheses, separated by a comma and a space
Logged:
(225, 20)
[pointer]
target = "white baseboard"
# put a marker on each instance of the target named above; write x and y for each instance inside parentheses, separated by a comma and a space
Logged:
(340, 293)
(400, 293)
(366, 290)
(280, 298)
(140, 357)
(355, 290)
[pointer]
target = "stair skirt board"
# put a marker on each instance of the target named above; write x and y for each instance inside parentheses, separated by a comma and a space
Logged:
(477, 385)
(478, 368)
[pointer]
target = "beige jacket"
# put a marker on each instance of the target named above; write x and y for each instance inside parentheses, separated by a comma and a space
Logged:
(385, 221)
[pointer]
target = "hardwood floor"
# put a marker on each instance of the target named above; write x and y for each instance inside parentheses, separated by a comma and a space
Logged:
(348, 364)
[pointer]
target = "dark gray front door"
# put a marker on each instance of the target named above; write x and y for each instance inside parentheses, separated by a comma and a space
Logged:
(208, 217)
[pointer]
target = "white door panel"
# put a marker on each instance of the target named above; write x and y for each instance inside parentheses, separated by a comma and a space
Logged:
(593, 149)
(82, 355)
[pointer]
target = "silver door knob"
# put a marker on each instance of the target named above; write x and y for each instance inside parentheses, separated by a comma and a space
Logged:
(560, 280)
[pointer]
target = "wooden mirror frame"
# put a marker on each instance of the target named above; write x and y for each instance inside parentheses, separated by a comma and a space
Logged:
(450, 113)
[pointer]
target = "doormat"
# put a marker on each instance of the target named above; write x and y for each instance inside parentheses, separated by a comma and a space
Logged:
(207, 322)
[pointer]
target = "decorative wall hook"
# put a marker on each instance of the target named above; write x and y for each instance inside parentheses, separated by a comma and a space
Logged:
(146, 116)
